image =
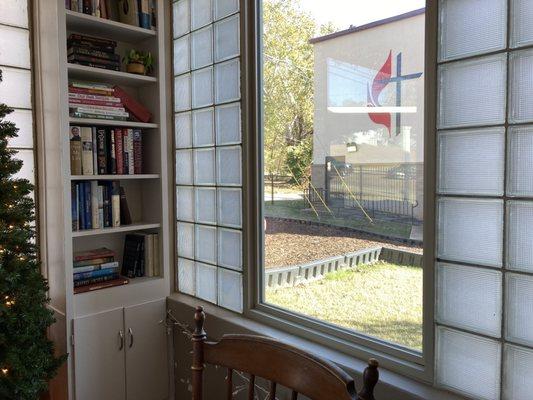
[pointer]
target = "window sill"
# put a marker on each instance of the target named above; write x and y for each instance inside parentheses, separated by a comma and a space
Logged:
(220, 321)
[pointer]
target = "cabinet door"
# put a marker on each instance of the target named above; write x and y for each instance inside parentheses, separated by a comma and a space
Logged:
(146, 351)
(99, 356)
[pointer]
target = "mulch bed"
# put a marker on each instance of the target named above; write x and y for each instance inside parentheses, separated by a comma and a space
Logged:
(292, 243)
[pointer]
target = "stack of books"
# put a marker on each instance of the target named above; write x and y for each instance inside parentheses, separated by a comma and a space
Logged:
(134, 12)
(92, 52)
(96, 269)
(106, 150)
(141, 255)
(103, 101)
(99, 204)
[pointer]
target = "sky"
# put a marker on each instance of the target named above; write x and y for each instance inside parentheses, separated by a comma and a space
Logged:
(344, 13)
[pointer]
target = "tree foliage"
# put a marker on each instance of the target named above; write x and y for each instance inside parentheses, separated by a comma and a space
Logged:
(27, 358)
(287, 84)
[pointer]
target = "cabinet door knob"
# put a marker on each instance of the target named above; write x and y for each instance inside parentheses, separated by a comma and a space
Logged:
(130, 331)
(121, 339)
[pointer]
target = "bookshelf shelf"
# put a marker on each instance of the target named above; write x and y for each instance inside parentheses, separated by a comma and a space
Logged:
(99, 74)
(118, 229)
(109, 122)
(90, 25)
(112, 177)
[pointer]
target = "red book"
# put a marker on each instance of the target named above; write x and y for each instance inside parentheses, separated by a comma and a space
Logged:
(134, 107)
(93, 254)
(119, 151)
(137, 152)
(101, 285)
(88, 91)
(95, 102)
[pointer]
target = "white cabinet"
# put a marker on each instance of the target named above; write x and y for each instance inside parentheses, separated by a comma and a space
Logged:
(122, 354)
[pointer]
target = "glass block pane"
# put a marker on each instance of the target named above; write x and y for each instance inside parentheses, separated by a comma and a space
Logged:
(28, 167)
(184, 167)
(230, 248)
(23, 120)
(470, 298)
(229, 207)
(15, 88)
(181, 17)
(230, 290)
(206, 205)
(182, 93)
(206, 282)
(185, 203)
(471, 161)
(520, 161)
(521, 23)
(470, 230)
(202, 87)
(229, 166)
(202, 48)
(201, 13)
(203, 127)
(227, 81)
(204, 167)
(182, 56)
(206, 248)
(14, 12)
(183, 130)
(228, 123)
(519, 309)
(463, 86)
(521, 86)
(14, 47)
(227, 42)
(520, 235)
(468, 364)
(470, 27)
(518, 367)
(185, 240)
(186, 276)
(223, 8)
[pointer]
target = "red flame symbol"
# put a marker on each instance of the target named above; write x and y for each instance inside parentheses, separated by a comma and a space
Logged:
(381, 80)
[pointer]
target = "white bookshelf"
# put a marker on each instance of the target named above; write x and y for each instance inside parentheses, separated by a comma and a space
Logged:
(147, 194)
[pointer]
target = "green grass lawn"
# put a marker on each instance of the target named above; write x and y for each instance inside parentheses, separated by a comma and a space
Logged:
(296, 209)
(382, 300)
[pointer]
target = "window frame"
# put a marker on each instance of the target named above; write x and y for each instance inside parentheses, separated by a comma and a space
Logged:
(395, 358)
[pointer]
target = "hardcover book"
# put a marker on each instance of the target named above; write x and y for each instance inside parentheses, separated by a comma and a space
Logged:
(75, 150)
(128, 12)
(87, 150)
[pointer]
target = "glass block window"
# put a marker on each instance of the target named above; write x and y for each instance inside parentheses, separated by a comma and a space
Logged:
(484, 266)
(208, 151)
(16, 85)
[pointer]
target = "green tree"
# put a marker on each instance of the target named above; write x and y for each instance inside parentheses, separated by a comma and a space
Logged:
(27, 360)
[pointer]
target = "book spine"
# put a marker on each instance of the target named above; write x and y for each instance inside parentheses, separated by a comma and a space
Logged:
(137, 152)
(92, 40)
(87, 7)
(78, 114)
(101, 150)
(80, 6)
(67, 4)
(92, 91)
(125, 215)
(153, 15)
(95, 151)
(87, 151)
(87, 209)
(157, 266)
(96, 65)
(103, 285)
(115, 204)
(112, 169)
(75, 150)
(74, 207)
(96, 111)
(119, 151)
(103, 9)
(81, 205)
(94, 205)
(131, 169)
(85, 268)
(139, 111)
(99, 99)
(114, 108)
(107, 206)
(93, 254)
(140, 271)
(144, 14)
(128, 12)
(93, 261)
(101, 206)
(127, 155)
(74, 5)
(90, 52)
(95, 280)
(78, 276)
(85, 102)
(149, 255)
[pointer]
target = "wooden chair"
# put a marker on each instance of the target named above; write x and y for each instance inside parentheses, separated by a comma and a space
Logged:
(258, 356)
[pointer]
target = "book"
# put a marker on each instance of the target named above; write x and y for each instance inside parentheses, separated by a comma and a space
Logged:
(75, 150)
(80, 114)
(131, 155)
(101, 285)
(102, 252)
(131, 263)
(115, 61)
(94, 64)
(95, 151)
(86, 151)
(127, 155)
(85, 268)
(137, 152)
(125, 215)
(119, 151)
(115, 203)
(108, 218)
(95, 222)
(95, 267)
(90, 41)
(134, 107)
(153, 15)
(87, 208)
(87, 7)
(157, 265)
(92, 53)
(149, 254)
(74, 207)
(93, 262)
(101, 150)
(78, 276)
(144, 14)
(128, 12)
(86, 102)
(81, 95)
(98, 279)
(112, 10)
(111, 155)
(81, 201)
(100, 206)
(96, 111)
(74, 5)
(103, 9)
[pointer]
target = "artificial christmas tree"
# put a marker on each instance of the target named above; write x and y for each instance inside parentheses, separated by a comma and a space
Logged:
(27, 358)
